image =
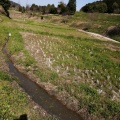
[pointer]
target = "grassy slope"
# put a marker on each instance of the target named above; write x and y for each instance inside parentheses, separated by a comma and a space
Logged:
(88, 52)
(96, 22)
(98, 71)
(13, 101)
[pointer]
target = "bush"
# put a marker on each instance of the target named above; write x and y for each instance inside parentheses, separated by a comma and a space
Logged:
(113, 30)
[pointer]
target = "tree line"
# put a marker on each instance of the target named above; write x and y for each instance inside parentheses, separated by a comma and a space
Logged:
(103, 6)
(62, 8)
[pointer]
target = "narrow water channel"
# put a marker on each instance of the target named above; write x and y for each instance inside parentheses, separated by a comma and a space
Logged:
(40, 96)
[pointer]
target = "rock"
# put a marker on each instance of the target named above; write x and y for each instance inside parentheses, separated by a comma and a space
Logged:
(35, 107)
(113, 30)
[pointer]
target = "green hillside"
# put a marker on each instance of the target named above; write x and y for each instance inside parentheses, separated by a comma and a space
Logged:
(82, 70)
(95, 22)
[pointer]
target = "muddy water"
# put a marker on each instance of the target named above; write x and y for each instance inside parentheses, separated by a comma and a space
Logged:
(41, 97)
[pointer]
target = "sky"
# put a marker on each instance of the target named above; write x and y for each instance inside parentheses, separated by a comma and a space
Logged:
(80, 3)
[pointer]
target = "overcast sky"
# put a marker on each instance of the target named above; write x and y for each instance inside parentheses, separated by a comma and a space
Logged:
(80, 3)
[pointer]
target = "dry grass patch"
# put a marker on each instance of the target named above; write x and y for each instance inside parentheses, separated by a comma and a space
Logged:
(81, 25)
(32, 45)
(115, 59)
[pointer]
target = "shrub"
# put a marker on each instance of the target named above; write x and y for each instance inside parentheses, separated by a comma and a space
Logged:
(113, 30)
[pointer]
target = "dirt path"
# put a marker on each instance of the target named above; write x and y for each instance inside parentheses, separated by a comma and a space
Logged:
(98, 36)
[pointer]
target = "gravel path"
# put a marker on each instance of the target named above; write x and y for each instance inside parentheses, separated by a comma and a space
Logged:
(98, 36)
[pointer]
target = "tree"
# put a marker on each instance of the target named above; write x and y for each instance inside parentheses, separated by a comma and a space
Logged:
(62, 7)
(43, 9)
(5, 4)
(116, 8)
(71, 7)
(21, 9)
(97, 6)
(34, 8)
(27, 8)
(53, 9)
(110, 4)
(103, 6)
(100, 7)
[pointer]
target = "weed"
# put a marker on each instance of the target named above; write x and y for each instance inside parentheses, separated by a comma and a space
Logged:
(4, 76)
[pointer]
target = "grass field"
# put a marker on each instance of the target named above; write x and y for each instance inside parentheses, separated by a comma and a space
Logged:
(85, 67)
(14, 102)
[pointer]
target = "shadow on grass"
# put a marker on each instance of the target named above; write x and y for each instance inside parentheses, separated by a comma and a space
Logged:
(22, 117)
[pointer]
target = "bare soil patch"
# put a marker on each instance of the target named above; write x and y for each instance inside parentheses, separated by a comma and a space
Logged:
(112, 47)
(31, 44)
(3, 65)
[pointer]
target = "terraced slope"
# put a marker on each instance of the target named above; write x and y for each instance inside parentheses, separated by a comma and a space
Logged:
(81, 71)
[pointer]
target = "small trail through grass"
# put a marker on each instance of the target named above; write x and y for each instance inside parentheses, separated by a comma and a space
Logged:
(98, 36)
